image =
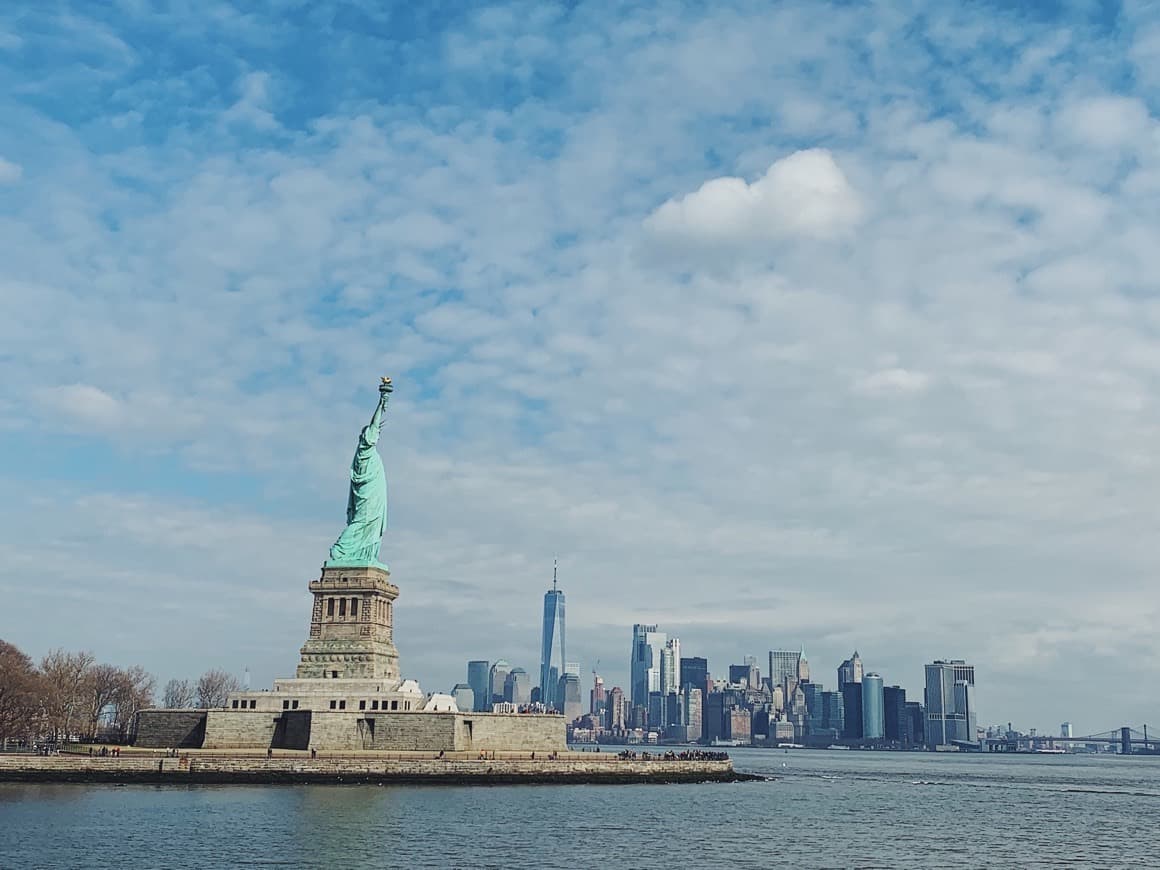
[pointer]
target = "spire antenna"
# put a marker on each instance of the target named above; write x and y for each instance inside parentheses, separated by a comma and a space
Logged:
(554, 566)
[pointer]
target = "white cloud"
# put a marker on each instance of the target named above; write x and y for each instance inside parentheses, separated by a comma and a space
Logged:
(803, 195)
(892, 381)
(86, 404)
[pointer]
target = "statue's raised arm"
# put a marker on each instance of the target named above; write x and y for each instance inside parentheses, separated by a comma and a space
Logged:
(366, 508)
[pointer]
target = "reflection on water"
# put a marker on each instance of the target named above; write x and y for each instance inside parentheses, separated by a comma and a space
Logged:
(819, 809)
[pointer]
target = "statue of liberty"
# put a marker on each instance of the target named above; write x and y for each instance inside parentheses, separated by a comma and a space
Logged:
(366, 508)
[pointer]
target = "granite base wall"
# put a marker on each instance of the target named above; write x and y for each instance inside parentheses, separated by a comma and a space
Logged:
(239, 729)
(169, 729)
(350, 730)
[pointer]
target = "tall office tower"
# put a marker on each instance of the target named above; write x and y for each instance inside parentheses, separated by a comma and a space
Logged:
(496, 678)
(570, 704)
(1065, 730)
(645, 664)
(873, 710)
(834, 715)
(803, 665)
(517, 687)
(852, 711)
(464, 697)
(477, 678)
(553, 632)
(950, 707)
(695, 672)
(814, 711)
(596, 699)
(850, 671)
(693, 700)
(784, 669)
(897, 725)
(671, 666)
(616, 709)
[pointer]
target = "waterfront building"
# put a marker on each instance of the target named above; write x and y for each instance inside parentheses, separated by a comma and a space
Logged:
(850, 671)
(873, 719)
(739, 722)
(551, 638)
(464, 697)
(950, 708)
(517, 687)
(478, 672)
(895, 720)
(695, 672)
(852, 710)
(645, 663)
(1065, 730)
(496, 679)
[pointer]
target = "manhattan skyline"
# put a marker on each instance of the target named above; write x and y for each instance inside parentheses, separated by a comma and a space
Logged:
(780, 327)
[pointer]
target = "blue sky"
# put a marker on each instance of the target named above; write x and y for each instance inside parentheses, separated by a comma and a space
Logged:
(779, 323)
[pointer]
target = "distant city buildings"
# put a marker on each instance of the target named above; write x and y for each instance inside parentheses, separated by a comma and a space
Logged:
(645, 663)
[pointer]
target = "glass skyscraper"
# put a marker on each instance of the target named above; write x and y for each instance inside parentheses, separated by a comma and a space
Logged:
(873, 708)
(478, 673)
(553, 630)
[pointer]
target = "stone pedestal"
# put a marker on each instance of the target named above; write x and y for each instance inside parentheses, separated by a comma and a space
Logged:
(351, 635)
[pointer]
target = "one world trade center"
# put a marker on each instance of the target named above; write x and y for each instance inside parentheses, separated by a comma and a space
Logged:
(553, 628)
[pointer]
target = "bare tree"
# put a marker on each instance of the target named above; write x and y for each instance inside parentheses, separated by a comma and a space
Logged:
(179, 694)
(214, 687)
(63, 675)
(99, 689)
(20, 690)
(135, 689)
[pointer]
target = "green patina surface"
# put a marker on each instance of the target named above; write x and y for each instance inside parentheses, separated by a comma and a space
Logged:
(366, 507)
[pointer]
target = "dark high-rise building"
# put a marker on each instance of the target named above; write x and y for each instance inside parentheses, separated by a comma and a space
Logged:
(852, 710)
(916, 715)
(713, 717)
(477, 678)
(553, 629)
(898, 728)
(695, 672)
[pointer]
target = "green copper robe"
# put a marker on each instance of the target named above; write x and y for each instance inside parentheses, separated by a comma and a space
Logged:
(366, 508)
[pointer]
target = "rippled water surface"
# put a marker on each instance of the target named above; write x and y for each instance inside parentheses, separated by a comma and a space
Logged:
(822, 809)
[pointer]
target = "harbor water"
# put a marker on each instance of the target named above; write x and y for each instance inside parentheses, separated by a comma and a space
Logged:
(815, 809)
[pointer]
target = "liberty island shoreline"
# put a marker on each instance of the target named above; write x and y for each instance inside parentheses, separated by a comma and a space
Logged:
(199, 767)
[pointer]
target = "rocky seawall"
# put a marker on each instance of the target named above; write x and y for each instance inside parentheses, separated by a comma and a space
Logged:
(205, 768)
